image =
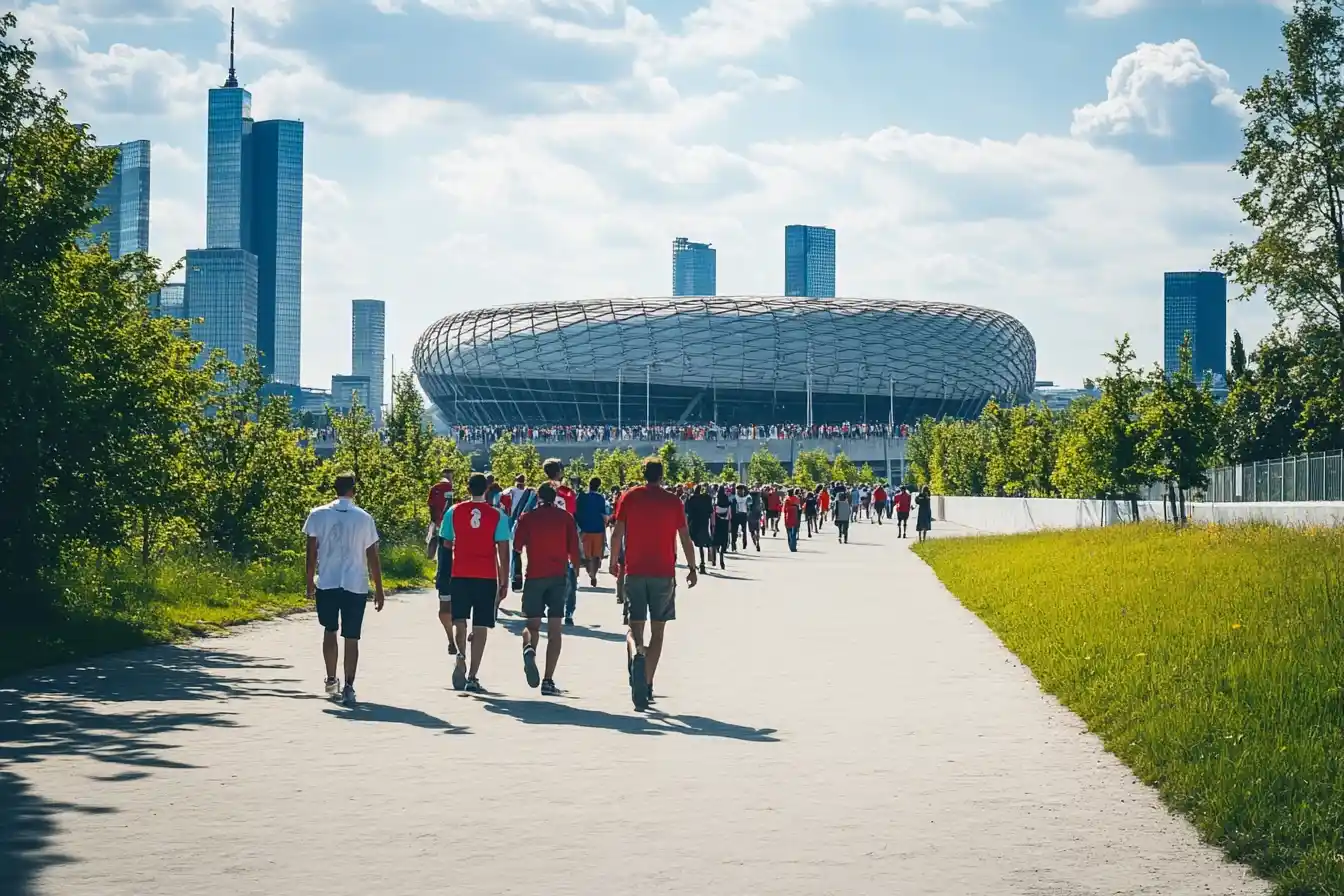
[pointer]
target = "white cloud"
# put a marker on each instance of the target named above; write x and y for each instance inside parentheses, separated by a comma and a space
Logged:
(1136, 90)
(1111, 9)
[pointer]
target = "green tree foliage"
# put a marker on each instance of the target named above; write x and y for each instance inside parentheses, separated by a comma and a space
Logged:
(509, 458)
(1237, 366)
(729, 471)
(843, 469)
(763, 468)
(1179, 423)
(694, 469)
(919, 451)
(671, 459)
(618, 466)
(866, 474)
(812, 468)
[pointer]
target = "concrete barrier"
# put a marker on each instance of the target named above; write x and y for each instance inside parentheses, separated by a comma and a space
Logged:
(1011, 515)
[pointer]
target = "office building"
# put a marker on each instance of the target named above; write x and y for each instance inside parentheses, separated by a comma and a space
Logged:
(694, 268)
(368, 348)
(254, 204)
(126, 199)
(1195, 302)
(222, 293)
(345, 389)
(809, 261)
(170, 301)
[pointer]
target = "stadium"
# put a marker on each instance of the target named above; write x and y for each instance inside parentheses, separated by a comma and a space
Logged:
(727, 359)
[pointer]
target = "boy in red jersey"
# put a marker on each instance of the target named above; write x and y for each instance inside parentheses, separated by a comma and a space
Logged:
(478, 535)
(551, 543)
(566, 500)
(650, 521)
(880, 501)
(440, 499)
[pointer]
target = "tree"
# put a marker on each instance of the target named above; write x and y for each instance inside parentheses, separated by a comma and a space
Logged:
(843, 469)
(765, 469)
(694, 469)
(919, 450)
(1178, 420)
(812, 468)
(671, 461)
(1237, 370)
(729, 471)
(866, 474)
(617, 466)
(1090, 384)
(1294, 159)
(509, 459)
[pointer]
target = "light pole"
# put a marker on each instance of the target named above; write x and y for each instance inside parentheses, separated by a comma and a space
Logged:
(648, 413)
(619, 371)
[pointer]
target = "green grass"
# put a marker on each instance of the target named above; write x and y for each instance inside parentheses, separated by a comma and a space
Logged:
(1209, 659)
(125, 605)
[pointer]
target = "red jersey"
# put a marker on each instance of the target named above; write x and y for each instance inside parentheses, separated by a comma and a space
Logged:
(551, 541)
(652, 517)
(792, 512)
(772, 502)
(506, 503)
(440, 497)
(474, 528)
(880, 496)
(824, 499)
(902, 501)
(565, 499)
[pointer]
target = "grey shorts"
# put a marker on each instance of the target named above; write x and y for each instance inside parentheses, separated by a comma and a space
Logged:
(545, 598)
(650, 598)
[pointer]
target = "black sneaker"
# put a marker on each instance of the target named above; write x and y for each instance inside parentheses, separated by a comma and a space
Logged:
(639, 685)
(348, 695)
(530, 667)
(569, 621)
(548, 689)
(474, 686)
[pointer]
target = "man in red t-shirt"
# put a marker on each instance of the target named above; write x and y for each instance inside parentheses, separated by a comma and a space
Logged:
(477, 532)
(880, 502)
(901, 501)
(548, 537)
(773, 507)
(440, 499)
(568, 501)
(650, 521)
(793, 517)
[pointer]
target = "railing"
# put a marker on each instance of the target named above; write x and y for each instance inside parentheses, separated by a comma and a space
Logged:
(1307, 477)
(659, 433)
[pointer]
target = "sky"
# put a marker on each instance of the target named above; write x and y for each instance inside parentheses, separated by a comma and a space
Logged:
(1047, 158)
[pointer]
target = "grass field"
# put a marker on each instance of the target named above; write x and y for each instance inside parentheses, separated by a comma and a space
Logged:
(1210, 660)
(125, 605)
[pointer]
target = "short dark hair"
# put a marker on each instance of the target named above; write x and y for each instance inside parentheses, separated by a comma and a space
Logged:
(595, 484)
(653, 470)
(345, 484)
(546, 493)
(520, 478)
(477, 485)
(553, 467)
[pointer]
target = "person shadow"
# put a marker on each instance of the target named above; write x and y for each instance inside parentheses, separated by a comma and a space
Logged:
(515, 625)
(650, 723)
(395, 715)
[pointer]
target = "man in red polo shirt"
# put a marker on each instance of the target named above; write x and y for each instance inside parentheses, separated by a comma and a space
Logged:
(901, 501)
(650, 521)
(773, 506)
(548, 537)
(440, 499)
(880, 501)
(793, 517)
(477, 532)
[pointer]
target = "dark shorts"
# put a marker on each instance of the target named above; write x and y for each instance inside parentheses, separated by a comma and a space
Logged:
(341, 609)
(772, 514)
(545, 597)
(650, 598)
(474, 599)
(443, 575)
(902, 515)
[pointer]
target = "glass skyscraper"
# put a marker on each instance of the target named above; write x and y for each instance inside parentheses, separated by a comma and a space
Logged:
(809, 261)
(254, 205)
(222, 293)
(126, 198)
(1195, 302)
(170, 301)
(694, 268)
(368, 347)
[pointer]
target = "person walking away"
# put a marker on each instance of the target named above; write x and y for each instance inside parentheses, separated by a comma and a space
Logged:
(855, 501)
(652, 523)
(478, 534)
(566, 500)
(880, 502)
(844, 511)
(823, 505)
(924, 516)
(723, 523)
(866, 502)
(522, 502)
(699, 513)
(774, 504)
(741, 512)
(810, 506)
(548, 536)
(755, 510)
(901, 501)
(342, 556)
(793, 512)
(591, 516)
(440, 499)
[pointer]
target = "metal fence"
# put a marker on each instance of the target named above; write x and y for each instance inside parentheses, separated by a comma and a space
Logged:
(1308, 477)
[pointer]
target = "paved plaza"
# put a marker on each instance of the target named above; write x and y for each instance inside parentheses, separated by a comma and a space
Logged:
(830, 722)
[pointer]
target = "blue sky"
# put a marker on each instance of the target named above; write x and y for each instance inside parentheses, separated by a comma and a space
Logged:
(1050, 158)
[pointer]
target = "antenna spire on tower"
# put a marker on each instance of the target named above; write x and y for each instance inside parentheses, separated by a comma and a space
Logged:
(233, 75)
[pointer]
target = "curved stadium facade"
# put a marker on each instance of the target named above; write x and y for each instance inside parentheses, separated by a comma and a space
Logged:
(729, 359)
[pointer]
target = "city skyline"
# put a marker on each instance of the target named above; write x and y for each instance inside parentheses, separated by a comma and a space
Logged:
(1053, 186)
(127, 200)
(368, 350)
(695, 268)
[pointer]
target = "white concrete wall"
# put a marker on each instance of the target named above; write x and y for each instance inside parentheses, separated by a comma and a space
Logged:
(1010, 515)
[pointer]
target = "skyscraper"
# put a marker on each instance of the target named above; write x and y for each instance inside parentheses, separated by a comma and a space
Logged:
(368, 346)
(170, 301)
(694, 268)
(126, 198)
(1195, 302)
(254, 204)
(809, 261)
(222, 300)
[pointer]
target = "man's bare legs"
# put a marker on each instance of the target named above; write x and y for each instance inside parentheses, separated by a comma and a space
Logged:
(446, 620)
(331, 652)
(554, 641)
(351, 660)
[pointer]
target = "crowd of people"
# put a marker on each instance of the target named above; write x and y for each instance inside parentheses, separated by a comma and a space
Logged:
(537, 541)
(688, 432)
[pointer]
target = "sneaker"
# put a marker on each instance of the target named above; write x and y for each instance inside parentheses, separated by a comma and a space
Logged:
(530, 667)
(348, 695)
(639, 685)
(460, 672)
(474, 686)
(452, 649)
(569, 621)
(548, 689)
(649, 694)
(758, 550)
(333, 688)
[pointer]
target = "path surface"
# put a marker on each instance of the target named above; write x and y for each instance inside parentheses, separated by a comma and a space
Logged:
(833, 722)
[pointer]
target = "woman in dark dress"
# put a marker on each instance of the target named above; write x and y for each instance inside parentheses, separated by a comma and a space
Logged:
(699, 511)
(723, 527)
(924, 513)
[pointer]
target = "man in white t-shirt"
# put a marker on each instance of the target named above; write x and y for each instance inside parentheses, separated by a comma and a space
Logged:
(342, 554)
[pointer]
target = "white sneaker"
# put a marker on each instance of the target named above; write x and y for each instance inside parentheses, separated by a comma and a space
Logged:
(333, 687)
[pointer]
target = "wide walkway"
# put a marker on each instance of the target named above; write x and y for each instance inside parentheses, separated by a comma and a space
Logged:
(833, 722)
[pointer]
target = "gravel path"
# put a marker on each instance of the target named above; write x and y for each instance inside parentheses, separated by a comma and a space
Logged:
(832, 722)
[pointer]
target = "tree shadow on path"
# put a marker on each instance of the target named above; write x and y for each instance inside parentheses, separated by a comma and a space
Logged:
(542, 712)
(114, 710)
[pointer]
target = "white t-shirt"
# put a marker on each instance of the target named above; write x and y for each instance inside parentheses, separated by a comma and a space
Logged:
(344, 532)
(742, 503)
(514, 494)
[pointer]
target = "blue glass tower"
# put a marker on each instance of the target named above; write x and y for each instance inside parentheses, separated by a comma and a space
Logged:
(368, 348)
(694, 268)
(1195, 302)
(126, 198)
(809, 261)
(222, 300)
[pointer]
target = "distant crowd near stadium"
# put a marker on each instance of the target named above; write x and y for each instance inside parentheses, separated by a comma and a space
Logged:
(676, 432)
